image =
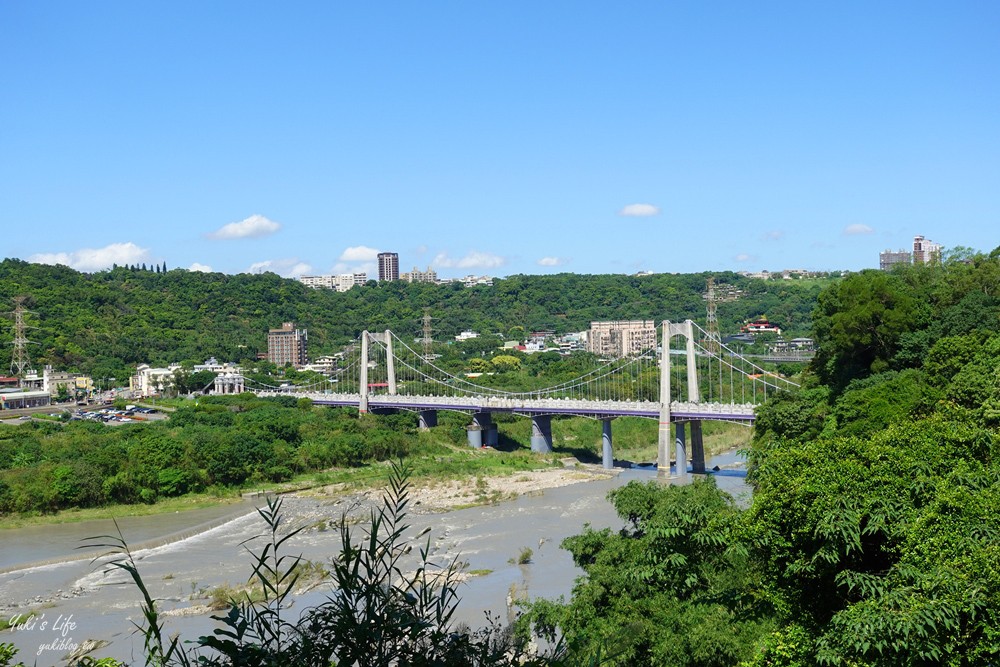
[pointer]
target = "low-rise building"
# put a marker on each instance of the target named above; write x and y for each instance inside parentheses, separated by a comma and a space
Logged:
(418, 276)
(149, 381)
(341, 282)
(13, 399)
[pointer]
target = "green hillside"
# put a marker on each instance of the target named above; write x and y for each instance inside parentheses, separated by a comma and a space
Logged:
(106, 322)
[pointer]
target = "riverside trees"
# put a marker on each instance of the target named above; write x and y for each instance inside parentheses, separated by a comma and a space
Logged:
(872, 535)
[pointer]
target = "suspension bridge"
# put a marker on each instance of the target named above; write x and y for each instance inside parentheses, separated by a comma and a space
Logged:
(380, 372)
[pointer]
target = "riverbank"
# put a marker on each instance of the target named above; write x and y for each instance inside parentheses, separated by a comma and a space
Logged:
(429, 495)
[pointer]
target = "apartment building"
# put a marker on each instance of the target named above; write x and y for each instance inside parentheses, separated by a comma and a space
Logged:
(888, 258)
(388, 266)
(287, 345)
(621, 338)
(418, 276)
(925, 251)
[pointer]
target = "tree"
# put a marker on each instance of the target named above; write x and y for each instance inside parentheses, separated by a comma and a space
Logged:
(858, 324)
(506, 363)
(672, 588)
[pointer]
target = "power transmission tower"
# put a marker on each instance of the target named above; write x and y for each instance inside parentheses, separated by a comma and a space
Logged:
(427, 340)
(714, 342)
(19, 361)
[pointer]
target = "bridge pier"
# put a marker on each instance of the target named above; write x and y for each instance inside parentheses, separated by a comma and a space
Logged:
(490, 435)
(681, 450)
(697, 449)
(541, 433)
(475, 435)
(607, 456)
(427, 419)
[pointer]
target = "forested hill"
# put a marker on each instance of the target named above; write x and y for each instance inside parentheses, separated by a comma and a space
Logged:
(104, 322)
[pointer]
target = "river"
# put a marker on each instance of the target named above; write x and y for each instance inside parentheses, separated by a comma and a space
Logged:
(74, 600)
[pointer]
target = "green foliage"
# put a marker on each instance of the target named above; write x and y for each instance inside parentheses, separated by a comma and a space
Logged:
(672, 588)
(858, 325)
(105, 323)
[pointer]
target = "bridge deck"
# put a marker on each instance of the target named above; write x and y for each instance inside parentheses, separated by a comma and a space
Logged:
(537, 406)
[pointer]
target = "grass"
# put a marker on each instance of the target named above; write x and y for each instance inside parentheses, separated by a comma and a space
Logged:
(165, 506)
(523, 557)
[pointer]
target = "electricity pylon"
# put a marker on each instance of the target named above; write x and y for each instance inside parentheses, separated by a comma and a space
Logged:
(19, 360)
(714, 342)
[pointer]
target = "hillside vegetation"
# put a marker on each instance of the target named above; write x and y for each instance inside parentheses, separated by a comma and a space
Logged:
(106, 322)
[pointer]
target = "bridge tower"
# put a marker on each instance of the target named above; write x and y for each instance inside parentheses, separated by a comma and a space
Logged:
(390, 366)
(363, 374)
(686, 329)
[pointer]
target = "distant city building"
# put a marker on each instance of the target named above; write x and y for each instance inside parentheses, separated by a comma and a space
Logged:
(287, 345)
(317, 282)
(55, 382)
(346, 281)
(573, 342)
(476, 281)
(888, 258)
(925, 251)
(621, 338)
(418, 276)
(13, 399)
(327, 364)
(341, 283)
(466, 335)
(760, 325)
(388, 266)
(149, 381)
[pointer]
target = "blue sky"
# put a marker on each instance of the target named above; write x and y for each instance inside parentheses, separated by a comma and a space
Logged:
(496, 137)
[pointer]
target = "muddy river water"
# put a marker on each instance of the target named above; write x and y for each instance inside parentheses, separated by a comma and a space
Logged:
(74, 600)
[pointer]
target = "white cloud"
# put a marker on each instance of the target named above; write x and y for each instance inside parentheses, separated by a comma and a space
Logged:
(371, 268)
(472, 260)
(744, 257)
(200, 267)
(551, 261)
(289, 267)
(773, 235)
(640, 210)
(359, 253)
(248, 228)
(95, 259)
(856, 229)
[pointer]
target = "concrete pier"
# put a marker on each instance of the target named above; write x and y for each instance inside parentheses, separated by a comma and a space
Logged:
(427, 419)
(697, 449)
(541, 433)
(681, 450)
(607, 454)
(490, 434)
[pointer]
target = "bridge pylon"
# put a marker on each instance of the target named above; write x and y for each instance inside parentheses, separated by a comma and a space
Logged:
(671, 329)
(363, 374)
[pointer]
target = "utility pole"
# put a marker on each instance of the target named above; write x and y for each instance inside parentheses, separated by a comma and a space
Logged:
(19, 361)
